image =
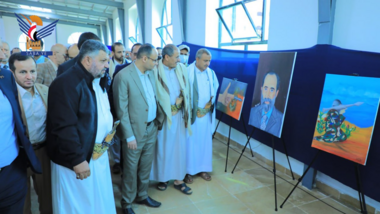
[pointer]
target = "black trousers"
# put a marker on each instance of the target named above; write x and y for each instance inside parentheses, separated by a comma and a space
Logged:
(13, 186)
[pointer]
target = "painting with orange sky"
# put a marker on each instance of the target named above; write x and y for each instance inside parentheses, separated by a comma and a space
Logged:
(231, 97)
(347, 116)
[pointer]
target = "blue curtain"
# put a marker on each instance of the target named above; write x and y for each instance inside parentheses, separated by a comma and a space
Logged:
(311, 66)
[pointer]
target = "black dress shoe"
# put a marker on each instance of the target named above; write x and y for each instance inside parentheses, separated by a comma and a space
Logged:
(128, 211)
(149, 202)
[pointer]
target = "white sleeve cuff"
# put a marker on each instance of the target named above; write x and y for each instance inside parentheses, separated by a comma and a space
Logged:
(131, 139)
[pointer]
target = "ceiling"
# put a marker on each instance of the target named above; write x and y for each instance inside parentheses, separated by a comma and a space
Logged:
(95, 12)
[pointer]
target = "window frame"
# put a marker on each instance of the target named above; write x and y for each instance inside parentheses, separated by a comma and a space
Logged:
(165, 27)
(223, 24)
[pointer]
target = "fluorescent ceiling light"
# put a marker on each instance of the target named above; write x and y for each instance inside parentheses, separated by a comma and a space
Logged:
(35, 8)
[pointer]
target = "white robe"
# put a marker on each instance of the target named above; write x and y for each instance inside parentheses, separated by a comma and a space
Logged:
(95, 193)
(199, 145)
(169, 162)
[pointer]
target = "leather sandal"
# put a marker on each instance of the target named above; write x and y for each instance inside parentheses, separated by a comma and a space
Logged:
(205, 176)
(183, 188)
(188, 179)
(162, 186)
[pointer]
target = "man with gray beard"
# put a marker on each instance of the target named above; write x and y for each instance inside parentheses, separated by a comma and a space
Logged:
(265, 115)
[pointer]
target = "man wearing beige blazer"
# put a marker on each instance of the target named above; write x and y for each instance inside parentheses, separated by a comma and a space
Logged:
(140, 116)
(47, 71)
(33, 103)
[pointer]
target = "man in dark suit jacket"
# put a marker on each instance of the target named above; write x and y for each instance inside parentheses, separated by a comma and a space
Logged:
(16, 151)
(265, 116)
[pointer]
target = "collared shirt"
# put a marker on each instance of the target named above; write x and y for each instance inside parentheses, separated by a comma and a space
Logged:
(8, 147)
(269, 113)
(149, 94)
(35, 114)
(54, 66)
(204, 90)
(173, 84)
(116, 62)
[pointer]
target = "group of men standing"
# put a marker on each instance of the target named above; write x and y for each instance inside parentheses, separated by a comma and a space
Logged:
(166, 113)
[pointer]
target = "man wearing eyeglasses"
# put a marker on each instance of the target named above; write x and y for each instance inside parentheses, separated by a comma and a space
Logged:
(47, 71)
(140, 117)
(116, 149)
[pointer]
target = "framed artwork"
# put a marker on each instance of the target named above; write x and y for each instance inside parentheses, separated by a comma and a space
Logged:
(271, 91)
(347, 116)
(231, 97)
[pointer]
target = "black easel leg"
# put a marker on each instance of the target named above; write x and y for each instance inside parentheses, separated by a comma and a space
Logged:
(287, 156)
(243, 149)
(300, 179)
(228, 144)
(363, 206)
(245, 129)
(274, 174)
(213, 135)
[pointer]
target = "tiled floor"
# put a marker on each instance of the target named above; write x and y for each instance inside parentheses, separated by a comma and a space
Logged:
(249, 190)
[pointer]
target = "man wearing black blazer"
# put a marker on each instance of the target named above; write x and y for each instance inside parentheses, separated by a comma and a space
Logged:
(16, 151)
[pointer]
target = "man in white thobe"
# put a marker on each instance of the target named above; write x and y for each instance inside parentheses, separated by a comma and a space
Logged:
(79, 119)
(173, 94)
(204, 85)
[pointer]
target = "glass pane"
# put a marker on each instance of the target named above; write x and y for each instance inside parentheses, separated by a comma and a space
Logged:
(227, 2)
(167, 13)
(237, 22)
(132, 40)
(165, 35)
(234, 47)
(169, 10)
(225, 38)
(255, 9)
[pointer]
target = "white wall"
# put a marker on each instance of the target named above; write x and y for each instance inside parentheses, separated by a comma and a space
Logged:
(293, 24)
(357, 25)
(212, 24)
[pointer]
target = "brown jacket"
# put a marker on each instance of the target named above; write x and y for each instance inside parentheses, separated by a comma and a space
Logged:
(43, 91)
(46, 73)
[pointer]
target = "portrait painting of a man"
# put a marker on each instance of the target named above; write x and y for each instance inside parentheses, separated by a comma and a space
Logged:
(270, 96)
